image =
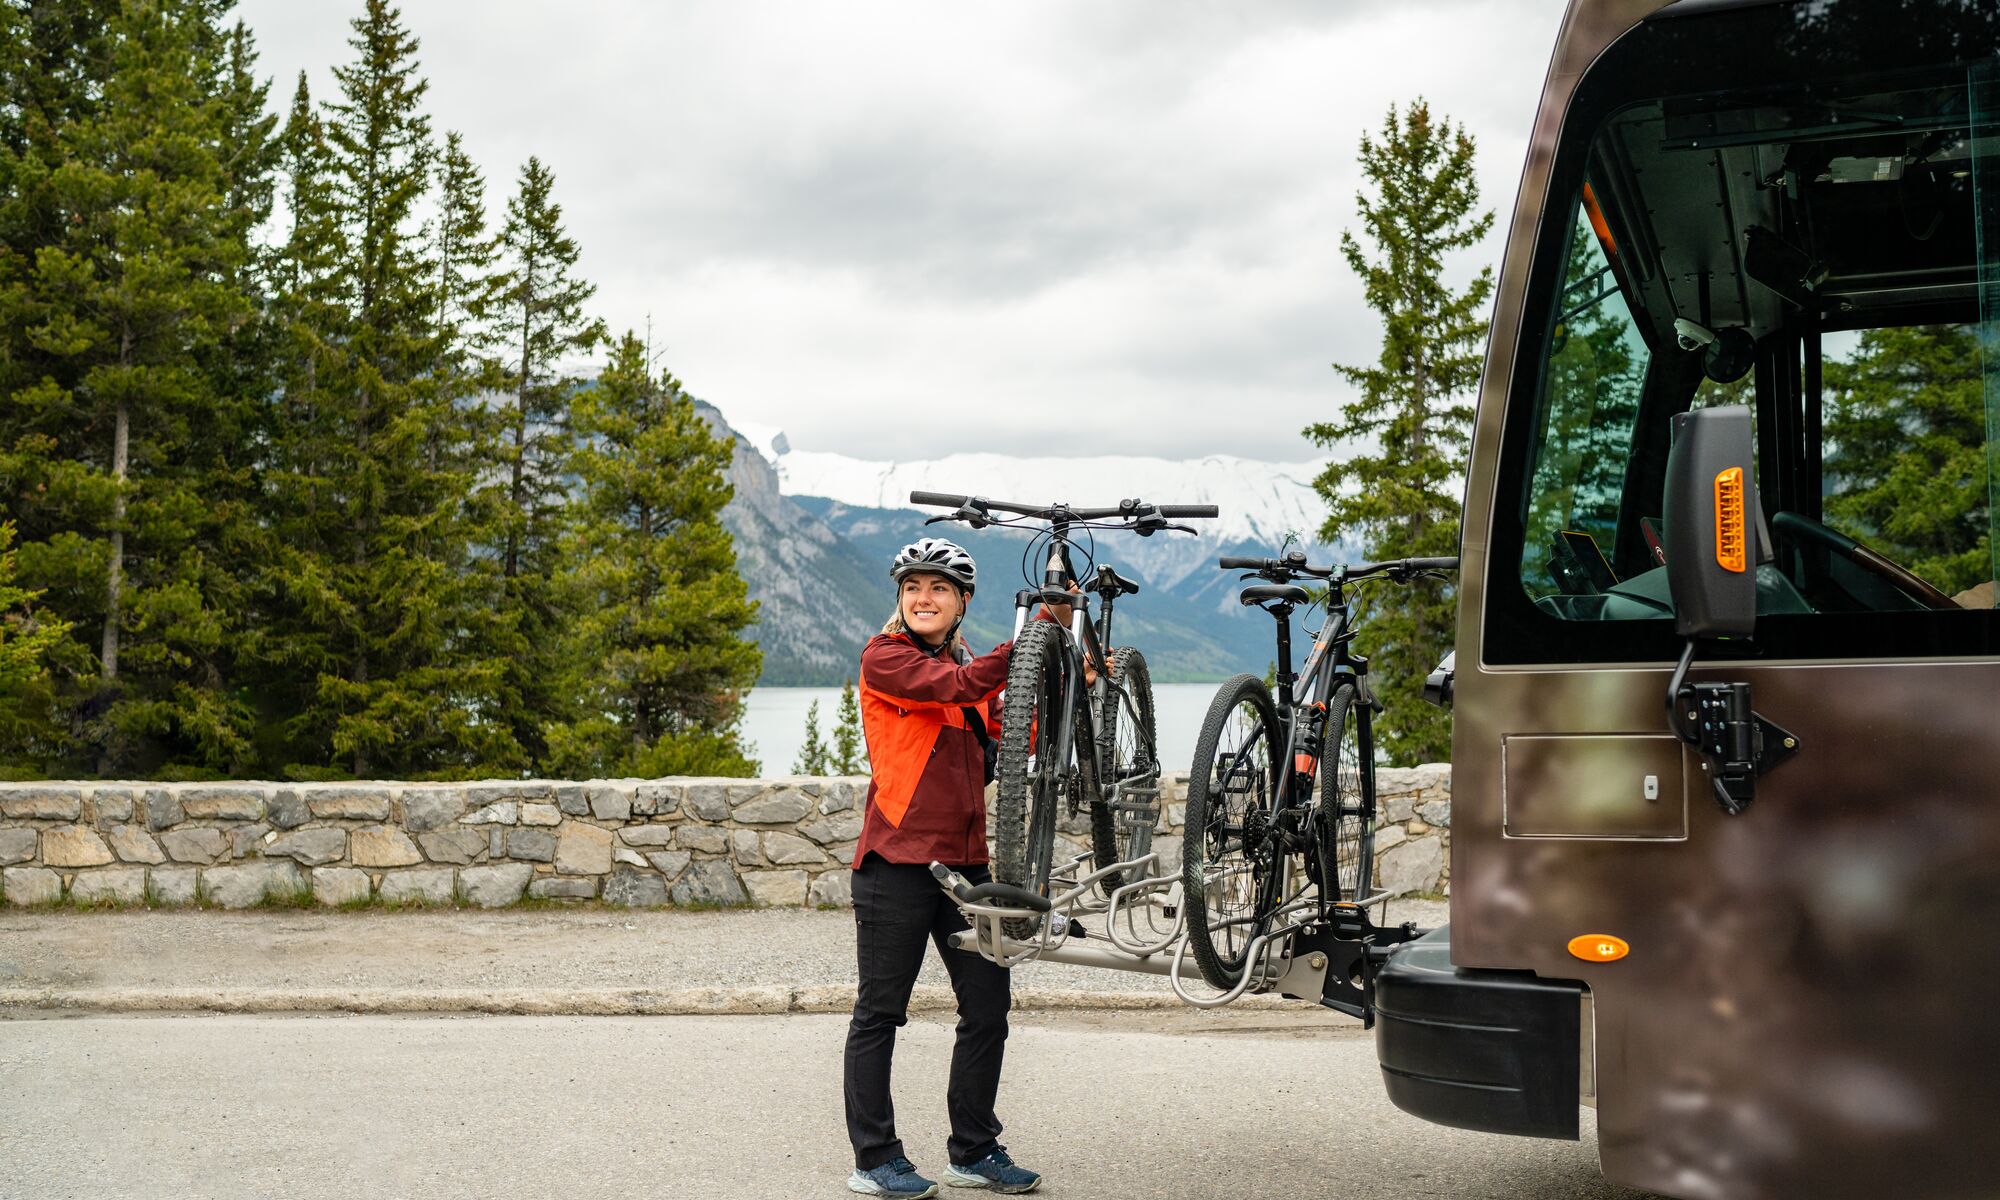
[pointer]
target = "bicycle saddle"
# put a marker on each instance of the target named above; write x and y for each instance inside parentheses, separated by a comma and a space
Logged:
(1258, 593)
(1110, 581)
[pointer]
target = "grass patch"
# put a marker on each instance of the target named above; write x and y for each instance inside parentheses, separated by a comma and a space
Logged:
(290, 900)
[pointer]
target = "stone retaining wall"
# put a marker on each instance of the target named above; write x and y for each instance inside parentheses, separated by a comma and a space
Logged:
(690, 842)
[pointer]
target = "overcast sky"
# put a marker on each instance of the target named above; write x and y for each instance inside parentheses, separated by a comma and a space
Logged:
(898, 229)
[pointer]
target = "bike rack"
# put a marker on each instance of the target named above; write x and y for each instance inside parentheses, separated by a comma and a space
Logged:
(1145, 931)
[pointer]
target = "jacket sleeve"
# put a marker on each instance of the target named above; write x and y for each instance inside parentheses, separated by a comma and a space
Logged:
(909, 678)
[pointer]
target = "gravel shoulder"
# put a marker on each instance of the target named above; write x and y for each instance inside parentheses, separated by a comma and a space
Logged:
(604, 960)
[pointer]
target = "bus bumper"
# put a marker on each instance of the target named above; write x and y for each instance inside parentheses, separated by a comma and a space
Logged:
(1494, 1051)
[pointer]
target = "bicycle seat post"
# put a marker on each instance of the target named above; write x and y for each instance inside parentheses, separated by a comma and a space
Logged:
(1285, 677)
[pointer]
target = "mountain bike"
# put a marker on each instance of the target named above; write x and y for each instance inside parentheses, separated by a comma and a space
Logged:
(1258, 847)
(1067, 745)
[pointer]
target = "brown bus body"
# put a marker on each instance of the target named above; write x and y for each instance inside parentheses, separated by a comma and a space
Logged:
(1811, 1002)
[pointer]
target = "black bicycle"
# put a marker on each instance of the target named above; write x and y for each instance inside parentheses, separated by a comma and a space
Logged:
(1255, 838)
(1066, 745)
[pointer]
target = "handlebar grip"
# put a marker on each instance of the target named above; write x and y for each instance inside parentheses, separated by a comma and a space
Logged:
(1189, 510)
(938, 499)
(1431, 564)
(1230, 562)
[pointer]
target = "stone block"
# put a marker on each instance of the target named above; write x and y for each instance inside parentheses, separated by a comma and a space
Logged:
(74, 846)
(113, 805)
(314, 847)
(709, 882)
(41, 803)
(245, 885)
(532, 845)
(840, 827)
(495, 886)
(496, 842)
(541, 814)
(583, 849)
(631, 858)
(776, 889)
(1388, 837)
(421, 886)
(350, 803)
(656, 799)
(789, 849)
(130, 843)
(782, 806)
(117, 885)
(174, 885)
(844, 852)
(247, 841)
(1435, 813)
(835, 887)
(286, 808)
(744, 849)
(503, 812)
(1168, 847)
(425, 809)
(635, 889)
(223, 804)
(17, 845)
(707, 799)
(459, 846)
(706, 838)
(552, 888)
(669, 863)
(1397, 808)
(610, 804)
(335, 886)
(163, 809)
(647, 835)
(502, 791)
(30, 885)
(382, 846)
(573, 800)
(840, 795)
(1415, 866)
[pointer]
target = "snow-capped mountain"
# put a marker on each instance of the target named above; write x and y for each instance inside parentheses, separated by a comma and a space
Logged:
(815, 533)
(1260, 503)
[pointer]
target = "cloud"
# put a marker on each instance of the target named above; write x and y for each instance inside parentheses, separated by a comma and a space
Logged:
(900, 229)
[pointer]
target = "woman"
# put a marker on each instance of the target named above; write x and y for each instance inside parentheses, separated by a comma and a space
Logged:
(930, 711)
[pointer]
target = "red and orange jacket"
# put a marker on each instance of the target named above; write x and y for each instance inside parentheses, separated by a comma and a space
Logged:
(927, 800)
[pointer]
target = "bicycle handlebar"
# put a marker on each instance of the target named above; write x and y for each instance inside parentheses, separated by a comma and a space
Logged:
(1046, 512)
(1295, 564)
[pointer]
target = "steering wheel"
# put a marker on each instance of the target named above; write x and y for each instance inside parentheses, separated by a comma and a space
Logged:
(1805, 529)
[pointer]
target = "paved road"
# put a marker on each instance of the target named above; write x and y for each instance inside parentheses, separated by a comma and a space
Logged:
(1110, 1105)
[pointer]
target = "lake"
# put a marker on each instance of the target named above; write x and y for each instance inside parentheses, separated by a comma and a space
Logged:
(774, 721)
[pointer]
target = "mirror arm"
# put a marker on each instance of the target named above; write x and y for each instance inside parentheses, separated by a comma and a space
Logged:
(1737, 744)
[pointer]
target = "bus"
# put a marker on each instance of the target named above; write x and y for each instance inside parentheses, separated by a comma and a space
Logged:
(1726, 749)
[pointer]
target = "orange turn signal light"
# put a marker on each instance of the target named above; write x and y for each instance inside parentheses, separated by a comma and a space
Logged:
(1731, 545)
(1598, 947)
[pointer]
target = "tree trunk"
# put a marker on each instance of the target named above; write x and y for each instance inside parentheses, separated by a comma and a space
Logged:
(120, 439)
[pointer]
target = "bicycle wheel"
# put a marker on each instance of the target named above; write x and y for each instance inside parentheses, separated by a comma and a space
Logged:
(1121, 825)
(1033, 785)
(1231, 793)
(1346, 797)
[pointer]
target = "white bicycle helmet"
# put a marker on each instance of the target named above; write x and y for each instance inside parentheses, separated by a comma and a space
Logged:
(935, 556)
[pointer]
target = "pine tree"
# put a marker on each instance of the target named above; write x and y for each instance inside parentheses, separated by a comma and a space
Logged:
(129, 299)
(812, 759)
(538, 302)
(850, 751)
(662, 664)
(1413, 410)
(1906, 462)
(376, 605)
(27, 699)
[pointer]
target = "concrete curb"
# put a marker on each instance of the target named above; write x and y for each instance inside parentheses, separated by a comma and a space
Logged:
(600, 1002)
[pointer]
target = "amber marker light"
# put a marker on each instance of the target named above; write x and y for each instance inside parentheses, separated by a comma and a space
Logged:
(1730, 535)
(1598, 947)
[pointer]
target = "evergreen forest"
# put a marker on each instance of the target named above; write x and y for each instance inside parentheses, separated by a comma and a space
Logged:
(314, 463)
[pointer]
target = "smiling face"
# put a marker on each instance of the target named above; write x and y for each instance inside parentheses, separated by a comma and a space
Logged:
(931, 605)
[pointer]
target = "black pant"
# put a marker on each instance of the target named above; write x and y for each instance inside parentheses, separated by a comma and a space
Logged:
(897, 907)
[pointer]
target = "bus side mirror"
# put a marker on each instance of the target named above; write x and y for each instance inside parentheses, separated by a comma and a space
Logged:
(1713, 522)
